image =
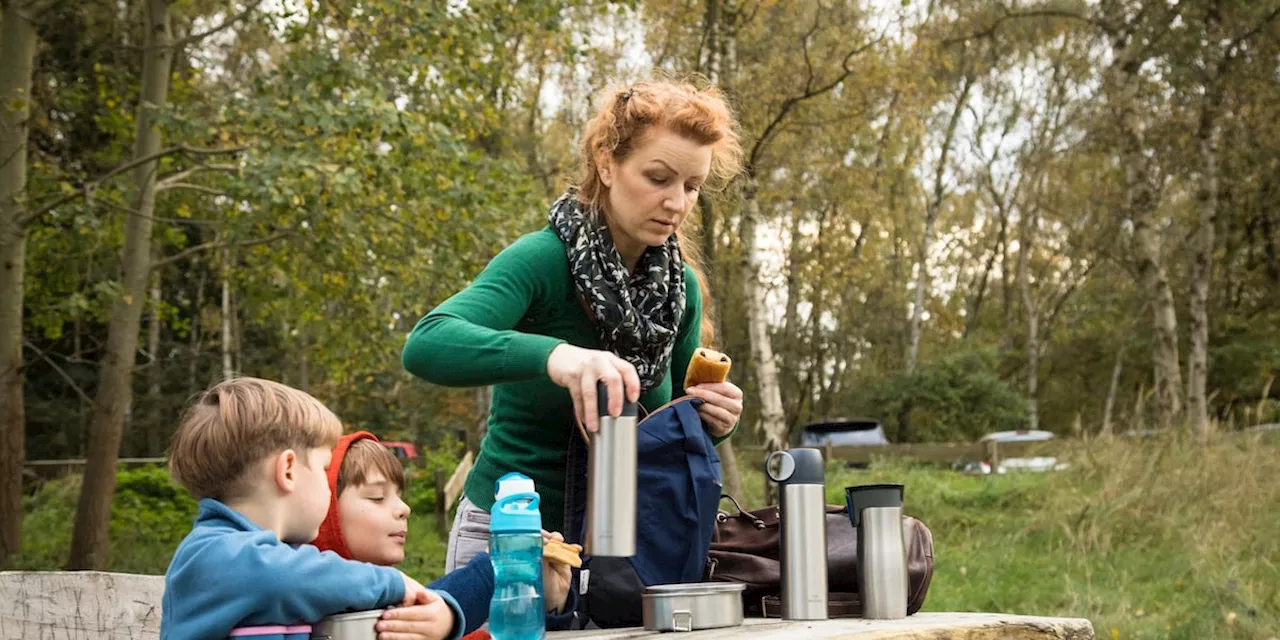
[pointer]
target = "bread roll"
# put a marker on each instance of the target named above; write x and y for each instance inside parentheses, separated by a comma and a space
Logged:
(707, 365)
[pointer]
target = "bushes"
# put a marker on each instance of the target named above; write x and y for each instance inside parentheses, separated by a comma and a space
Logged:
(956, 397)
(149, 516)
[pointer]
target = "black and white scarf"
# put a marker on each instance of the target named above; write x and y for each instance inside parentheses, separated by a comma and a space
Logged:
(637, 314)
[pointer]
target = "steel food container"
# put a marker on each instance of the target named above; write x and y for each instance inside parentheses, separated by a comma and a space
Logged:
(693, 606)
(348, 626)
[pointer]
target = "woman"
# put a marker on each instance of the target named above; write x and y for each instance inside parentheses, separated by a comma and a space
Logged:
(608, 291)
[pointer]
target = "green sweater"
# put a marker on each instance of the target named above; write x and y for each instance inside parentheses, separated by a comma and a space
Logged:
(500, 331)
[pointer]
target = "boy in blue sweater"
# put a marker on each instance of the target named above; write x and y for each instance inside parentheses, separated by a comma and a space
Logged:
(254, 453)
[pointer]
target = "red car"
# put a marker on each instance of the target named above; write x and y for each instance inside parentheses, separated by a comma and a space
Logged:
(405, 451)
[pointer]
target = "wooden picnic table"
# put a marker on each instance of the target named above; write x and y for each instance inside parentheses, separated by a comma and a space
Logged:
(119, 606)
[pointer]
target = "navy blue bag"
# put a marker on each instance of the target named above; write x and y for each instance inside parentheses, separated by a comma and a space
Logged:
(677, 500)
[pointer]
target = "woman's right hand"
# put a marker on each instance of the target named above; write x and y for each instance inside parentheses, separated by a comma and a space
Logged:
(578, 370)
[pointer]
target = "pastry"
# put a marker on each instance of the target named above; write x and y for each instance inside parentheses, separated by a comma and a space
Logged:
(562, 553)
(707, 366)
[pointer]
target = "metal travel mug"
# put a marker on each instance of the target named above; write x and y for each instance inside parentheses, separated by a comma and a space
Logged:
(876, 511)
(611, 477)
(803, 517)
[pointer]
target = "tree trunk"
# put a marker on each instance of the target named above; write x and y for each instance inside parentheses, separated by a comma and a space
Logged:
(773, 422)
(1141, 208)
(971, 322)
(1110, 404)
(729, 464)
(930, 220)
(790, 358)
(1207, 138)
(93, 512)
(1025, 244)
(478, 428)
(154, 430)
(17, 56)
(194, 348)
(228, 366)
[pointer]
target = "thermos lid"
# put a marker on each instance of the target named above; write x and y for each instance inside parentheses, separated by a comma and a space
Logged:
(795, 466)
(515, 507)
(629, 409)
(870, 496)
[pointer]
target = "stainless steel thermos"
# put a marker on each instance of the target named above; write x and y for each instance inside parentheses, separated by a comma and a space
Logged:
(611, 474)
(803, 514)
(876, 511)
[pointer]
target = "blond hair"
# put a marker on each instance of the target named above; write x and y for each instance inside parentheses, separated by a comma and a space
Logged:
(236, 424)
(363, 459)
(618, 128)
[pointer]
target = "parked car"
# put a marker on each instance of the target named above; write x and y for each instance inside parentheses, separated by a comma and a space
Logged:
(1021, 435)
(857, 432)
(405, 451)
(1031, 463)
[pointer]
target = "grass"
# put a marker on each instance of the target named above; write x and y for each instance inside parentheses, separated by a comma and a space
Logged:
(1152, 539)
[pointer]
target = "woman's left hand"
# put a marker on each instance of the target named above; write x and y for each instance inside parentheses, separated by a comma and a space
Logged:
(721, 406)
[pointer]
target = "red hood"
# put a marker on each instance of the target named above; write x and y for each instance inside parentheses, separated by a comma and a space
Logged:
(330, 537)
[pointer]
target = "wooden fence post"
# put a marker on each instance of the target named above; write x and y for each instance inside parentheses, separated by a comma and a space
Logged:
(442, 502)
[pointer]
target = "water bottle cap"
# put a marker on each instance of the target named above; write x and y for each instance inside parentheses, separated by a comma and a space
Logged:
(515, 506)
(512, 484)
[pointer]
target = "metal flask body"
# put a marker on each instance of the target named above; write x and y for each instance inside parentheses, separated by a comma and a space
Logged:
(611, 478)
(803, 539)
(876, 511)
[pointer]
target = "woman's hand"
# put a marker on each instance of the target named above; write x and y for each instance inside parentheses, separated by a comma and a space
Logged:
(721, 406)
(578, 370)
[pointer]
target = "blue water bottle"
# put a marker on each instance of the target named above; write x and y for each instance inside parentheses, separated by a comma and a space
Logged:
(517, 611)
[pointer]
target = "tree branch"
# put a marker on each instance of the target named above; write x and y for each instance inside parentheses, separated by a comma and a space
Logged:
(60, 371)
(216, 245)
(196, 37)
(187, 185)
(87, 189)
(1235, 44)
(787, 105)
(991, 29)
(178, 176)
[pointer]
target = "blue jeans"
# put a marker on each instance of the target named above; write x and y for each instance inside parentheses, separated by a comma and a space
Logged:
(468, 537)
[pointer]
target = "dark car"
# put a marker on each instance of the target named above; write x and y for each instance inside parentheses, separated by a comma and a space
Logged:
(856, 432)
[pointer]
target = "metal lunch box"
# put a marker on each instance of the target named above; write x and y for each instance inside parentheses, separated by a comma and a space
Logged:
(348, 626)
(692, 606)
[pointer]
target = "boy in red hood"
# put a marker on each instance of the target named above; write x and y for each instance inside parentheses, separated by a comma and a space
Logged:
(368, 521)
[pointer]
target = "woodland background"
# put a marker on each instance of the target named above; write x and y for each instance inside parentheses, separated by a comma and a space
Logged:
(958, 216)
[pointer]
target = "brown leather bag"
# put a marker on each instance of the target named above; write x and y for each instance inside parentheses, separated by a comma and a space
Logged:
(745, 549)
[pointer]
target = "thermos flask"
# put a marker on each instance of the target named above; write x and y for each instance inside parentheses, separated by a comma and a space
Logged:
(611, 474)
(802, 514)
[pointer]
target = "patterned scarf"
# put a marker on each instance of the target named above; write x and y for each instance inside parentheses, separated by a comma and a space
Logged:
(637, 314)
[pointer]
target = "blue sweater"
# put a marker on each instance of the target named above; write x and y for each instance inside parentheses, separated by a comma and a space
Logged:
(229, 572)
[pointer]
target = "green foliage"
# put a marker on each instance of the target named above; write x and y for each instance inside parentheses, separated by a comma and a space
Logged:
(955, 397)
(420, 479)
(149, 517)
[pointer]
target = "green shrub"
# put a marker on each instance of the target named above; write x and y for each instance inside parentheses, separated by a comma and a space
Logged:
(959, 396)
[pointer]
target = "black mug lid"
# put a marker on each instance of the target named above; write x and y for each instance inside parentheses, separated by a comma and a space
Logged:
(795, 466)
(870, 496)
(629, 409)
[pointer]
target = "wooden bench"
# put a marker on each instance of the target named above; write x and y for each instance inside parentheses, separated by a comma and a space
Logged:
(121, 606)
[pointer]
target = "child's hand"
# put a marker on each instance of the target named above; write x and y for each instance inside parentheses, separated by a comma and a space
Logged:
(432, 620)
(555, 578)
(414, 592)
